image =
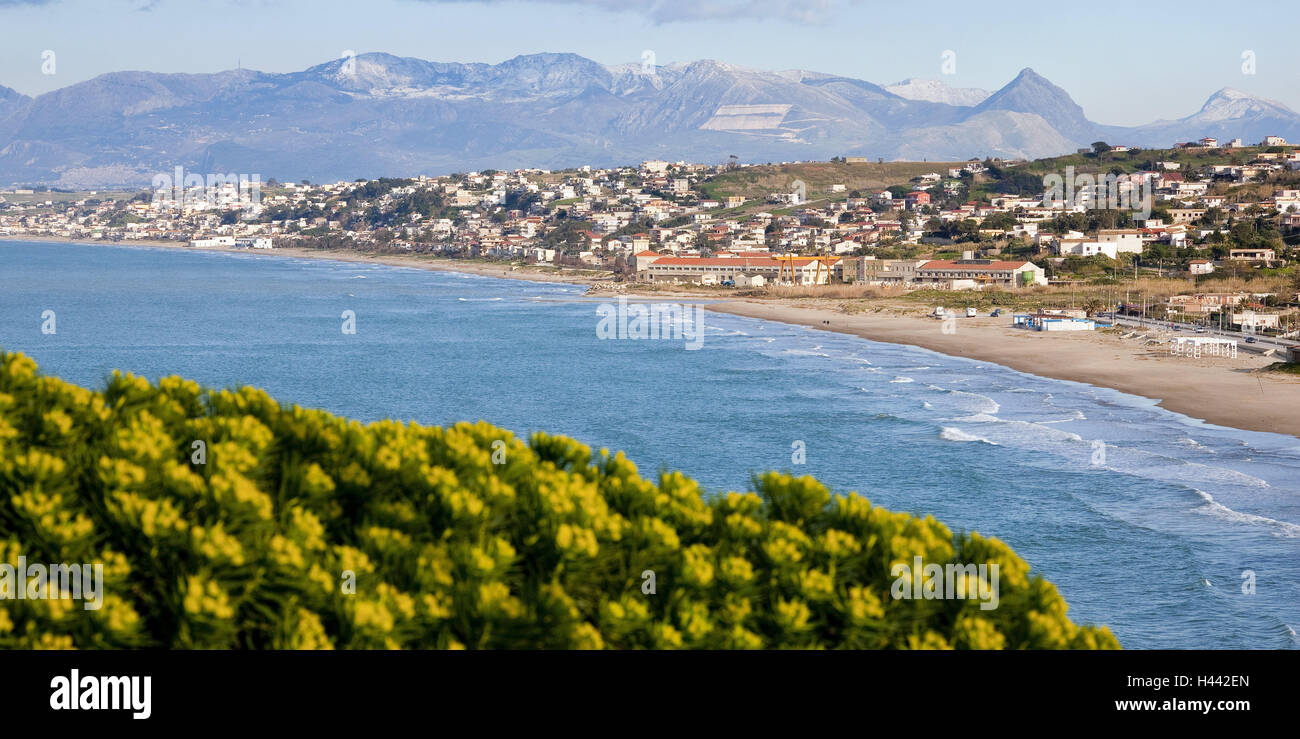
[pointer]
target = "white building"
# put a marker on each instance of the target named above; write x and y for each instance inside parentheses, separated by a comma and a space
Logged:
(1126, 240)
(213, 242)
(1086, 248)
(1250, 320)
(982, 273)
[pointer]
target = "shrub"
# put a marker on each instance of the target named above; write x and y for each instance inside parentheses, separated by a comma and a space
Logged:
(452, 537)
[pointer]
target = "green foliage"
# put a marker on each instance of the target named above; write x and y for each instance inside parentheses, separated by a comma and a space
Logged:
(457, 537)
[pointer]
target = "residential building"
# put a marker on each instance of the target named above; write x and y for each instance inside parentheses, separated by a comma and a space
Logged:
(981, 273)
(1126, 240)
(1252, 255)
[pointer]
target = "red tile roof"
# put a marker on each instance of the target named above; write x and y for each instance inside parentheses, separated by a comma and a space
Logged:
(716, 262)
(954, 265)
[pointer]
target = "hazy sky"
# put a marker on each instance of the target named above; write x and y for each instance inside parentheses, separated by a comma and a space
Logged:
(1125, 63)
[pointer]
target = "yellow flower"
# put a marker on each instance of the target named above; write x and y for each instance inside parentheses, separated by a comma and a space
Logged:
(436, 606)
(792, 615)
(576, 541)
(738, 637)
(57, 423)
(840, 544)
(742, 526)
(585, 636)
(311, 632)
(667, 637)
(816, 585)
(372, 615)
(930, 640)
(207, 598)
(736, 570)
(495, 601)
(215, 544)
(782, 552)
(287, 553)
(697, 567)
(863, 606)
(974, 632)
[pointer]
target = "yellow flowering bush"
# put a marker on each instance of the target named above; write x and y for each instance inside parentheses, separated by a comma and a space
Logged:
(227, 521)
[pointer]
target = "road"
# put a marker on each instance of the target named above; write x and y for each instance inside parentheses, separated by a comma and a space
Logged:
(1261, 345)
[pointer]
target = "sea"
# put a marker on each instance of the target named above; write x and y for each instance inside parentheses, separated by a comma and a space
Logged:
(1148, 521)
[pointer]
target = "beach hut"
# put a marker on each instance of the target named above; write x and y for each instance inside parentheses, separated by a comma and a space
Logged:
(1052, 322)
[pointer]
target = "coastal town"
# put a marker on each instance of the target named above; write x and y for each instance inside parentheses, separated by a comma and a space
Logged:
(1209, 211)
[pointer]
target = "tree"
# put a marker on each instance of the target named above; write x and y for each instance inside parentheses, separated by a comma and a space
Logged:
(461, 536)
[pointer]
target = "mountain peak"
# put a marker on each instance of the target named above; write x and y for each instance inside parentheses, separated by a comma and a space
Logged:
(1229, 103)
(1030, 92)
(1229, 93)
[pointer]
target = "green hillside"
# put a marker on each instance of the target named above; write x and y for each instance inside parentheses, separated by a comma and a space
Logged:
(758, 181)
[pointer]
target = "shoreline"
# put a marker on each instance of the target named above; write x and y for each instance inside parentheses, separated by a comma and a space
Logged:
(434, 264)
(1223, 392)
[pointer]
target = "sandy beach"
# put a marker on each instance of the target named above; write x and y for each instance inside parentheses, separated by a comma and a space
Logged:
(1225, 392)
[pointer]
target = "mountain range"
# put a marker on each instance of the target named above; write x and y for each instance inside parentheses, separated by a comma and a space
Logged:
(381, 115)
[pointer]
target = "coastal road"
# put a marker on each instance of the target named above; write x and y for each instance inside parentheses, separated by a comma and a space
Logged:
(1261, 345)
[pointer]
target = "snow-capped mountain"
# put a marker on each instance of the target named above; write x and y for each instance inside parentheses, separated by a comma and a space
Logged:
(935, 91)
(381, 115)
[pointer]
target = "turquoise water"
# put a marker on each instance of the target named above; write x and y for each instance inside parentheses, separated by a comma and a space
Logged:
(1152, 540)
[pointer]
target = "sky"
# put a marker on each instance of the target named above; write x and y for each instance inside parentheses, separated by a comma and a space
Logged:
(1124, 63)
